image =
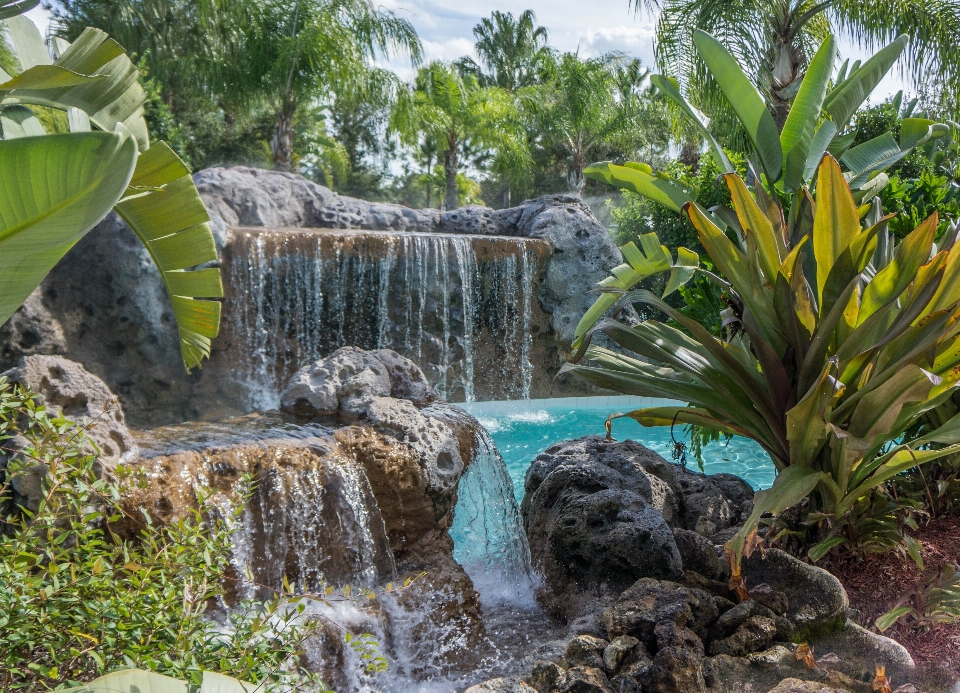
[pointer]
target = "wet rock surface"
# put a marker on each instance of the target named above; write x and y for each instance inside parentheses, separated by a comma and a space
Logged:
(105, 306)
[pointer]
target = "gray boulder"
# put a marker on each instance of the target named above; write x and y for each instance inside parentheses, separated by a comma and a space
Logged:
(594, 516)
(344, 383)
(32, 330)
(647, 603)
(390, 394)
(753, 635)
(598, 515)
(66, 388)
(677, 670)
(817, 602)
(713, 502)
(501, 685)
(586, 680)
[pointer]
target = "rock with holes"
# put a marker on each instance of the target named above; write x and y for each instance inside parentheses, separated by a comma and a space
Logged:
(502, 685)
(597, 516)
(343, 384)
(649, 603)
(384, 391)
(67, 388)
(31, 330)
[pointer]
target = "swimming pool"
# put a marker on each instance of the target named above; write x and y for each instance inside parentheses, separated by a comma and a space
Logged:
(524, 428)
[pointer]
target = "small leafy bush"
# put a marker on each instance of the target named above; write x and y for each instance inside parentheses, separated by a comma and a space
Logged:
(935, 600)
(79, 601)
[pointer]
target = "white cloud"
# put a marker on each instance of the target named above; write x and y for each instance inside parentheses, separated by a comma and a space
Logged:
(636, 41)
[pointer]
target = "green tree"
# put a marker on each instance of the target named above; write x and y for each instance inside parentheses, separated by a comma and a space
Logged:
(592, 105)
(291, 53)
(513, 52)
(447, 112)
(776, 39)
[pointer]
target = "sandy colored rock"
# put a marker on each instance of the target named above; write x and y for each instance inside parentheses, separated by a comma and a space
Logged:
(68, 389)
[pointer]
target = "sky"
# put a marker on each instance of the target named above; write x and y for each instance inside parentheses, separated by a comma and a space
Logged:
(593, 27)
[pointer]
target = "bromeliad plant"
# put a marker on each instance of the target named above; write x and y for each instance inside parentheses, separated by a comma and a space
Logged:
(836, 343)
(56, 187)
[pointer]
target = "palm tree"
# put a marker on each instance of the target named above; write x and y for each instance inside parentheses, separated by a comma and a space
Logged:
(592, 104)
(289, 53)
(512, 51)
(776, 39)
(450, 111)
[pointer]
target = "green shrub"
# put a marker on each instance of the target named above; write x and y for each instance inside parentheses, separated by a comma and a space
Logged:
(79, 601)
(637, 215)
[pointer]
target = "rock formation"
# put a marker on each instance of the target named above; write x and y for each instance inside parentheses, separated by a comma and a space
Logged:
(356, 483)
(630, 550)
(104, 304)
(601, 514)
(66, 389)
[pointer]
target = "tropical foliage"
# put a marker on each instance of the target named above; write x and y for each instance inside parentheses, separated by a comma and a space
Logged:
(57, 186)
(80, 600)
(839, 341)
(776, 40)
(817, 363)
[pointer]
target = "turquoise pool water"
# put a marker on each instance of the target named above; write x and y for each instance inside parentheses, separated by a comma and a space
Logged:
(523, 429)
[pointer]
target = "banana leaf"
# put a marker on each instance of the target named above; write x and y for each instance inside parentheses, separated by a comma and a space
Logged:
(745, 100)
(641, 179)
(54, 189)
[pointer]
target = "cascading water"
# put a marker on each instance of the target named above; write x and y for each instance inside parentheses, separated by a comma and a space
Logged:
(488, 537)
(313, 518)
(459, 306)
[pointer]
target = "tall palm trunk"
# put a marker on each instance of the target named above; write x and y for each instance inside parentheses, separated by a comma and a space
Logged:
(575, 179)
(451, 199)
(786, 73)
(282, 143)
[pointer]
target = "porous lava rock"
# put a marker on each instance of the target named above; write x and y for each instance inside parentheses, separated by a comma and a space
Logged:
(509, 684)
(599, 514)
(32, 330)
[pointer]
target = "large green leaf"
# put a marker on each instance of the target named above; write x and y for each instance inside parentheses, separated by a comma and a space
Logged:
(139, 681)
(93, 75)
(134, 681)
(835, 222)
(790, 487)
(164, 209)
(641, 179)
(844, 100)
(54, 189)
(801, 123)
(12, 8)
(745, 101)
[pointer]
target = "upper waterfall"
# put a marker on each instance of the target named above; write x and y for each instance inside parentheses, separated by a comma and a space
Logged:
(459, 306)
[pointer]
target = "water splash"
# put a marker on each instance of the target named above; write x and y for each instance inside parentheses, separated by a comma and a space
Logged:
(460, 306)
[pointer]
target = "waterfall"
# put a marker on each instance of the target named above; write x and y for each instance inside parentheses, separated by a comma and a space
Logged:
(461, 307)
(488, 537)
